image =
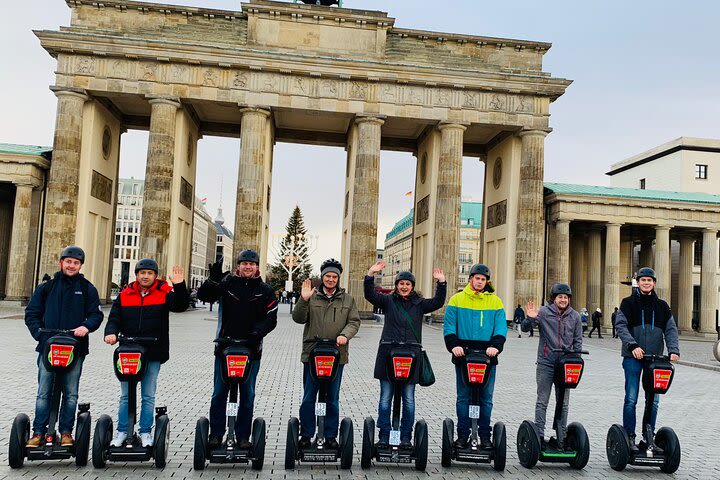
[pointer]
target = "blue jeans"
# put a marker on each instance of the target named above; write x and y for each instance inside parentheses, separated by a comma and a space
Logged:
(407, 418)
(148, 386)
(246, 400)
(633, 371)
(43, 404)
(463, 403)
(307, 407)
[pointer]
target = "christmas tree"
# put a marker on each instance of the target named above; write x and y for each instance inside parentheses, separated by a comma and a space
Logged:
(292, 254)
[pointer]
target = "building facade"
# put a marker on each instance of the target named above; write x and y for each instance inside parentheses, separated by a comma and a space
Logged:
(126, 250)
(204, 244)
(224, 243)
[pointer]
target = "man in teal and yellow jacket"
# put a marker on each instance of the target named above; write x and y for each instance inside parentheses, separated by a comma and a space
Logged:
(475, 318)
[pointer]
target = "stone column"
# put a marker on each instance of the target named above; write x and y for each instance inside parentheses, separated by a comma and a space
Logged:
(612, 272)
(578, 272)
(157, 198)
(447, 202)
(61, 198)
(594, 264)
(708, 281)
(646, 254)
(17, 260)
(685, 284)
(562, 251)
(529, 247)
(363, 237)
(251, 187)
(662, 261)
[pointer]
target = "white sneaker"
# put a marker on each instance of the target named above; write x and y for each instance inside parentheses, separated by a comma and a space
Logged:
(118, 439)
(146, 439)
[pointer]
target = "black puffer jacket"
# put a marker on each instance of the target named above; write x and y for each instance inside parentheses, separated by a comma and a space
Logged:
(647, 322)
(397, 327)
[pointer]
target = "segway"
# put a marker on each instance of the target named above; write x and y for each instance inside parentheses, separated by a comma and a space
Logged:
(130, 366)
(654, 450)
(571, 447)
(401, 364)
(237, 356)
(476, 370)
(323, 362)
(58, 356)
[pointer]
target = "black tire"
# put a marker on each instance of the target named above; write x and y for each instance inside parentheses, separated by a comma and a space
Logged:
(617, 447)
(161, 443)
(291, 444)
(528, 444)
(368, 443)
(421, 445)
(447, 443)
(577, 439)
(200, 450)
(19, 436)
(346, 443)
(101, 441)
(500, 446)
(258, 437)
(82, 438)
(669, 442)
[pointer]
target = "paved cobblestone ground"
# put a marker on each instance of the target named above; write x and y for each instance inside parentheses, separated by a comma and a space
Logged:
(185, 386)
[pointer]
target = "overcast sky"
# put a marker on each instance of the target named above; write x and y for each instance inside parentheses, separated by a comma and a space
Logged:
(644, 72)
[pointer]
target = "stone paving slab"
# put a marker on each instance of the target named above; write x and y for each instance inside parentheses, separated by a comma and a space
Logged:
(185, 385)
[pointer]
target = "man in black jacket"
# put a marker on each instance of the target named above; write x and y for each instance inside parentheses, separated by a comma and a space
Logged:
(249, 311)
(68, 302)
(645, 324)
(143, 310)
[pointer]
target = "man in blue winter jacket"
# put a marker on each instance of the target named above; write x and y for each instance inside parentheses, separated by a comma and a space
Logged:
(67, 301)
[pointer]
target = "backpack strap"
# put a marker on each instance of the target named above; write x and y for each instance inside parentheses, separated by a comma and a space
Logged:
(409, 320)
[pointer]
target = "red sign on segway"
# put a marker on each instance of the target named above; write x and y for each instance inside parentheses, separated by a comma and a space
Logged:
(129, 363)
(572, 373)
(662, 378)
(402, 366)
(61, 355)
(476, 372)
(324, 365)
(236, 365)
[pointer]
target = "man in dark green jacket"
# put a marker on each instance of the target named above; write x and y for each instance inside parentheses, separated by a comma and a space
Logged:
(328, 313)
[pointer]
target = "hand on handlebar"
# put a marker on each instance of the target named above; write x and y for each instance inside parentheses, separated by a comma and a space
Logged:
(638, 353)
(674, 357)
(80, 331)
(111, 339)
(458, 351)
(341, 340)
(492, 352)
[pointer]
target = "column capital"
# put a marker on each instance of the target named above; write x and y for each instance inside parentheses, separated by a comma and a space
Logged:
(363, 118)
(709, 231)
(614, 224)
(25, 183)
(530, 133)
(562, 220)
(155, 99)
(70, 91)
(662, 227)
(265, 111)
(453, 125)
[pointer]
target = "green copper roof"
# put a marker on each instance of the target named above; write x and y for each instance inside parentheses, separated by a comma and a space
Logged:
(45, 152)
(600, 191)
(470, 217)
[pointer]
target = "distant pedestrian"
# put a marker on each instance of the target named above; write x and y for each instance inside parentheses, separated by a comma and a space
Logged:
(584, 319)
(518, 318)
(596, 319)
(612, 319)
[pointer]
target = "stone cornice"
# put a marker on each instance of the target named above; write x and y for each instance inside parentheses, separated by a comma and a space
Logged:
(319, 13)
(519, 45)
(33, 160)
(156, 7)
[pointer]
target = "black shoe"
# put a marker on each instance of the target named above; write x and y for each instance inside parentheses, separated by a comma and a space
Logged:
(214, 442)
(244, 444)
(406, 445)
(599, 337)
(633, 447)
(519, 336)
(304, 442)
(461, 443)
(485, 443)
(332, 444)
(554, 444)
(382, 445)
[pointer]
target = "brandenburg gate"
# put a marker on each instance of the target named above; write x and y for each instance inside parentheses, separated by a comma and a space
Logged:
(284, 72)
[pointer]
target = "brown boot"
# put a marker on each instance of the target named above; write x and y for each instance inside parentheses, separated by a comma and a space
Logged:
(66, 440)
(34, 441)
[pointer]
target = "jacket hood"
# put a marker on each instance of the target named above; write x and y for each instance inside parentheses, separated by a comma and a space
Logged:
(489, 290)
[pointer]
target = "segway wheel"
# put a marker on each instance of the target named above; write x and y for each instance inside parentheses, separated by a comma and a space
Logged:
(19, 435)
(258, 436)
(500, 446)
(161, 443)
(447, 443)
(577, 440)
(346, 443)
(82, 438)
(368, 442)
(101, 441)
(200, 450)
(291, 444)
(617, 446)
(528, 444)
(668, 441)
(421, 445)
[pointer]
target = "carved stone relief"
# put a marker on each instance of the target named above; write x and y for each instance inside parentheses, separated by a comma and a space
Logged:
(497, 214)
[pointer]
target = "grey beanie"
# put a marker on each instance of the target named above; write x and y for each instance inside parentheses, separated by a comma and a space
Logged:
(329, 269)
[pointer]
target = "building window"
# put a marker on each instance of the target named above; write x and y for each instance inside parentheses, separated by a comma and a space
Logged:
(697, 253)
(701, 172)
(642, 184)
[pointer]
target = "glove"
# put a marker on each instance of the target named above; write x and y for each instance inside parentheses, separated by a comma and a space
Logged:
(216, 273)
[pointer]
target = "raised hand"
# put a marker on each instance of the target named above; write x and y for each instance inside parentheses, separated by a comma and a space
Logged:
(438, 275)
(530, 310)
(377, 268)
(216, 273)
(307, 290)
(177, 276)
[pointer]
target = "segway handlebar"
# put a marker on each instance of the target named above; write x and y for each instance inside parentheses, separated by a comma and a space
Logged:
(321, 340)
(568, 351)
(232, 341)
(57, 331)
(127, 339)
(650, 358)
(395, 343)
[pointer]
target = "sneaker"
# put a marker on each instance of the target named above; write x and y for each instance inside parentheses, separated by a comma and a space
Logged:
(214, 442)
(146, 439)
(461, 442)
(66, 440)
(304, 442)
(34, 441)
(245, 444)
(519, 336)
(633, 446)
(485, 443)
(406, 445)
(332, 444)
(382, 445)
(118, 439)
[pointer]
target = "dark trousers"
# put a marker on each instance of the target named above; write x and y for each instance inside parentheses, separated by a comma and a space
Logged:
(246, 402)
(595, 327)
(307, 407)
